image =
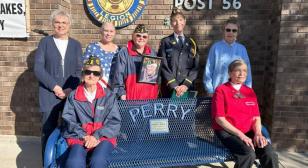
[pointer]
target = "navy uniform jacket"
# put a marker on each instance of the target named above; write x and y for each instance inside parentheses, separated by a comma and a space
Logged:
(180, 65)
(49, 72)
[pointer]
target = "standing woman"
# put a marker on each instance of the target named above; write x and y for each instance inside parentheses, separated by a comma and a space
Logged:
(180, 58)
(104, 49)
(57, 67)
(127, 68)
(221, 54)
(237, 122)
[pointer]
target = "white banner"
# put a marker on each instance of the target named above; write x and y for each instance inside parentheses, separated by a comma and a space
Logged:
(13, 19)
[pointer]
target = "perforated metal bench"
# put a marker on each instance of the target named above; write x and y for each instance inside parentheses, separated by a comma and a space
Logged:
(157, 133)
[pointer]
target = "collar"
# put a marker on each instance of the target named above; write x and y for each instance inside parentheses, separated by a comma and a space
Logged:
(232, 44)
(80, 93)
(176, 36)
(236, 86)
(132, 51)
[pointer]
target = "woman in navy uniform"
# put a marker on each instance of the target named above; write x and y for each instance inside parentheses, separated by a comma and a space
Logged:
(180, 59)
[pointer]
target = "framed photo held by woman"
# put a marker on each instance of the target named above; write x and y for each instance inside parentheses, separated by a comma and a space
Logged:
(150, 68)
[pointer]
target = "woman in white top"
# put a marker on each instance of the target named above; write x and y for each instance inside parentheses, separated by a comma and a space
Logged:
(57, 67)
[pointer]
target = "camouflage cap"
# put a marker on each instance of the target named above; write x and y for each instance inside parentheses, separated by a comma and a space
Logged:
(92, 60)
(140, 28)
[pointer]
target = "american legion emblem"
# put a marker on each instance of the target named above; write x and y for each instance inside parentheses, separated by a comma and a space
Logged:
(121, 12)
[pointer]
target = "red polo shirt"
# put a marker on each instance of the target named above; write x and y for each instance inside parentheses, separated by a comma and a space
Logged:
(238, 107)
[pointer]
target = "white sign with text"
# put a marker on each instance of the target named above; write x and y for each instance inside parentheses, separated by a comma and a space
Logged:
(13, 19)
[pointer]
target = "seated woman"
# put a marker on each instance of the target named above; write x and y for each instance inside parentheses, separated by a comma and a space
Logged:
(237, 122)
(91, 120)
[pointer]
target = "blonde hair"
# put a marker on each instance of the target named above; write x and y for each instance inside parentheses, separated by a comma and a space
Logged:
(104, 24)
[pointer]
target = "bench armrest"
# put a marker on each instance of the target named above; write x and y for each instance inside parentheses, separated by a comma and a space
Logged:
(50, 149)
(266, 134)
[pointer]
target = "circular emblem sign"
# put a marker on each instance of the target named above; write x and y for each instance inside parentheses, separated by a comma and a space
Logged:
(121, 12)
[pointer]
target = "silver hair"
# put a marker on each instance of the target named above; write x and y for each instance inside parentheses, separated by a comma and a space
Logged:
(236, 63)
(59, 12)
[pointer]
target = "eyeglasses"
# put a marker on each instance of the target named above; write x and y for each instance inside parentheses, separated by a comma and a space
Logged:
(233, 30)
(58, 23)
(89, 72)
(143, 36)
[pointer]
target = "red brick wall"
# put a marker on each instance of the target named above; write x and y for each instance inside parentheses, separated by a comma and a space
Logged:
(290, 116)
(260, 25)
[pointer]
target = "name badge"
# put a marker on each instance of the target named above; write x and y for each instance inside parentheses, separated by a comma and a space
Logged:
(250, 103)
(100, 107)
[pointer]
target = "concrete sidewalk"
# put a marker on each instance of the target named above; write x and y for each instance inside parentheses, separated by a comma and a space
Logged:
(25, 152)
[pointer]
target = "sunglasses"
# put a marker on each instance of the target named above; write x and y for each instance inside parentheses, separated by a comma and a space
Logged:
(233, 30)
(143, 36)
(89, 72)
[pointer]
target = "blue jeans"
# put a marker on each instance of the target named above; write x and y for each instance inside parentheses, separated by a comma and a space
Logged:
(99, 157)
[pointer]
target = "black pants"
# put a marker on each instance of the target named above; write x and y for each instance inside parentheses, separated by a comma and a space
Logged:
(244, 155)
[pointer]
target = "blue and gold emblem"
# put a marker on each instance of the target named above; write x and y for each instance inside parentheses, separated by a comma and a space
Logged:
(121, 12)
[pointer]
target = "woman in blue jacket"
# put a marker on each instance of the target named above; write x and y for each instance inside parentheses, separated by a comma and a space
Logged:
(91, 119)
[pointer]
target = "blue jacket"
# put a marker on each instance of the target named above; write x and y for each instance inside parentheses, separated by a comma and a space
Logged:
(49, 72)
(220, 56)
(126, 69)
(101, 118)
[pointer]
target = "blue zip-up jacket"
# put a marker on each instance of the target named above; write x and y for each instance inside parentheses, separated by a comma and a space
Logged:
(100, 118)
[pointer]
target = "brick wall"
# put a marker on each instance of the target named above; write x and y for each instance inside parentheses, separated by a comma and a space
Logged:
(259, 33)
(290, 116)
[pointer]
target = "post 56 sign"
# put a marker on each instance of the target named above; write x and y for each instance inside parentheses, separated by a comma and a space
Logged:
(206, 4)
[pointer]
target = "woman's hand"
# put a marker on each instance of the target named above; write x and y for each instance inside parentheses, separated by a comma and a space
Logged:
(90, 141)
(123, 97)
(260, 141)
(180, 90)
(59, 92)
(246, 140)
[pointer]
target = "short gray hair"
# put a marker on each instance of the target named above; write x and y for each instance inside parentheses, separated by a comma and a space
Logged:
(235, 63)
(59, 12)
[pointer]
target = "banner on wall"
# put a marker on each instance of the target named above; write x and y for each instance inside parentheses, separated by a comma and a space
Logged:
(13, 19)
(121, 12)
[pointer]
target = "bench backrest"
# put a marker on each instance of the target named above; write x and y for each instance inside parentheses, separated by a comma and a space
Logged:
(157, 119)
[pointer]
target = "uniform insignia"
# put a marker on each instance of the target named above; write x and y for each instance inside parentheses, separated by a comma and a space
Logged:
(173, 42)
(192, 51)
(194, 47)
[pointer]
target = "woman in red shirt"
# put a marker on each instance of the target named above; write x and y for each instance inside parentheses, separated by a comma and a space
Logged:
(237, 122)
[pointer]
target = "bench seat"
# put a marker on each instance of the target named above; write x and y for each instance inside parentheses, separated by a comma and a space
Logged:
(157, 133)
(168, 152)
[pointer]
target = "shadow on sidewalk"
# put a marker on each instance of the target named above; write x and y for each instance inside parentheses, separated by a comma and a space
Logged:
(24, 104)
